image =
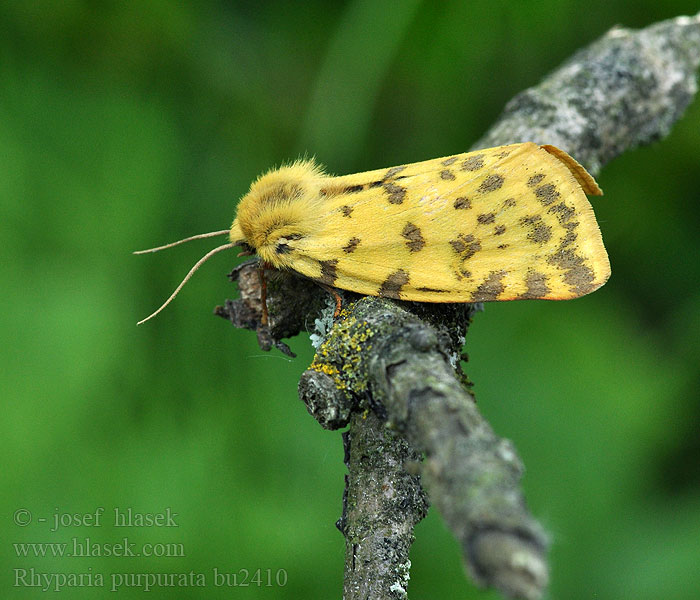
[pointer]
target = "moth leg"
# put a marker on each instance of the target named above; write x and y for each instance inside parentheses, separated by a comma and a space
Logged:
(263, 292)
(336, 295)
(338, 304)
(246, 251)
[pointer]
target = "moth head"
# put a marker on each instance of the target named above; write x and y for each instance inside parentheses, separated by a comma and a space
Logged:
(280, 205)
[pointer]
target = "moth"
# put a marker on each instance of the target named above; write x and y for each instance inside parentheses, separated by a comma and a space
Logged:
(506, 223)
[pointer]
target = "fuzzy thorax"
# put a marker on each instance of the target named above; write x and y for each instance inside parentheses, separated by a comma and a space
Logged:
(281, 204)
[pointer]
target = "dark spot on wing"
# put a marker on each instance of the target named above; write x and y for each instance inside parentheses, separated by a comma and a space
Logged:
(491, 288)
(547, 194)
(535, 179)
(465, 245)
(537, 287)
(565, 259)
(447, 175)
(473, 163)
(462, 203)
(352, 244)
(392, 172)
(570, 236)
(499, 230)
(346, 210)
(353, 189)
(431, 290)
(395, 192)
(413, 236)
(448, 161)
(578, 275)
(328, 271)
(491, 183)
(391, 288)
(580, 279)
(486, 218)
(562, 211)
(540, 232)
(509, 203)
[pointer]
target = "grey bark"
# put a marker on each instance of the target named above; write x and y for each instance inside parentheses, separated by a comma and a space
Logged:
(624, 90)
(391, 369)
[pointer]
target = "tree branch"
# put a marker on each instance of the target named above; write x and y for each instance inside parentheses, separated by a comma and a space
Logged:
(401, 359)
(624, 90)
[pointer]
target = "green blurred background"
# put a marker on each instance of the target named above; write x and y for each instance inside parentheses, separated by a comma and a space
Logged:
(124, 125)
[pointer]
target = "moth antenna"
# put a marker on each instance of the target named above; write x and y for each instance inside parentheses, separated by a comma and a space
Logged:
(198, 264)
(199, 236)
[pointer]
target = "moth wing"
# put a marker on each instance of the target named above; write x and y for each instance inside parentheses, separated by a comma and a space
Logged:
(510, 222)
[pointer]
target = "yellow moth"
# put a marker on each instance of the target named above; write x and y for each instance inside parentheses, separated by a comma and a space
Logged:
(506, 223)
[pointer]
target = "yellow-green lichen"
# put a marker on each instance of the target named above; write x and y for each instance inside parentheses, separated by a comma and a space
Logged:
(342, 353)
